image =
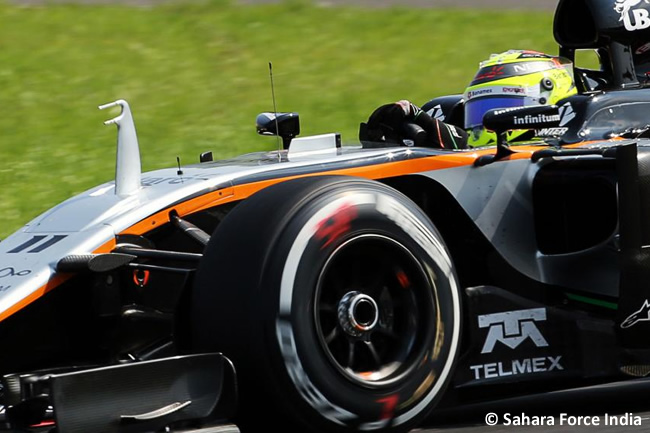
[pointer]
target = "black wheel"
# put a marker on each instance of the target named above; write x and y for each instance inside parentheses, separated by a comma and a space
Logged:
(337, 301)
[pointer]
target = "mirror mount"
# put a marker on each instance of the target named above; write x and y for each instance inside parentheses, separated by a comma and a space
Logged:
(503, 151)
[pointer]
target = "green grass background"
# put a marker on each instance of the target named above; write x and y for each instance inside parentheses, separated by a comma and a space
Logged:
(196, 75)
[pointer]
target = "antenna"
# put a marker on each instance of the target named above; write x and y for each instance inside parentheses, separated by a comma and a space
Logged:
(275, 110)
(180, 170)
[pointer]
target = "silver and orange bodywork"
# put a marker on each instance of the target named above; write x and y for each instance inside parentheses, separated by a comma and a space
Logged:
(90, 222)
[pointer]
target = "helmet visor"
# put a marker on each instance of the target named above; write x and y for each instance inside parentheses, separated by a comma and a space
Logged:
(476, 108)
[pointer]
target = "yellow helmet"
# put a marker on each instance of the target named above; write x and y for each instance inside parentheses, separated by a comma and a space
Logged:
(515, 78)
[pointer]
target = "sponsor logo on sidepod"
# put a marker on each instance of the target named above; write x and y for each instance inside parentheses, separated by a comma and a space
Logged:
(641, 315)
(512, 328)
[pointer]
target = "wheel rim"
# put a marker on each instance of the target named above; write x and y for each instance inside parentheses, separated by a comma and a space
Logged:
(374, 310)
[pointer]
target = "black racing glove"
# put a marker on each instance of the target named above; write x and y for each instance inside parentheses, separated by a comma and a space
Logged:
(392, 123)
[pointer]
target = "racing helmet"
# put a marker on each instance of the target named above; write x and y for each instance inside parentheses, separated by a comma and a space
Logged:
(514, 78)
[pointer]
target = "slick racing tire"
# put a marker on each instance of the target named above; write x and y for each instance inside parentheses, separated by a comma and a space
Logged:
(337, 301)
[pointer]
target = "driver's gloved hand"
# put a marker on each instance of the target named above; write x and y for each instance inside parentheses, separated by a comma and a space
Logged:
(386, 124)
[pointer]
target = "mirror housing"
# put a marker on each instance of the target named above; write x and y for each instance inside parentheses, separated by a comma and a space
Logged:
(533, 117)
(502, 120)
(286, 125)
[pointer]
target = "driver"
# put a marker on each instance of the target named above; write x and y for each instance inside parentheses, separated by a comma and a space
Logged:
(514, 78)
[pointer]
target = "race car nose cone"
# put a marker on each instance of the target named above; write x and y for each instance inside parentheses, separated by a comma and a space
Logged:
(358, 313)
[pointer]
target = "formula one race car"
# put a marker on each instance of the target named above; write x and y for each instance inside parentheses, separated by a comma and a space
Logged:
(344, 288)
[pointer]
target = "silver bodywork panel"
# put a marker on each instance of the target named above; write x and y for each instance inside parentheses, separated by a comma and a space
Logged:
(498, 198)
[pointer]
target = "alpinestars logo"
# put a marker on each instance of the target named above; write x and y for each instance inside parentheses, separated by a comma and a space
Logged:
(633, 19)
(512, 328)
(641, 315)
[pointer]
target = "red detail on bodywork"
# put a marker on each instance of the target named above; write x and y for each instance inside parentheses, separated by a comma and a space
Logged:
(43, 424)
(337, 224)
(140, 277)
(389, 404)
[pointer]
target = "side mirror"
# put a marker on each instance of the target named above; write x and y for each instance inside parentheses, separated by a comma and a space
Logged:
(505, 119)
(534, 117)
(286, 125)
